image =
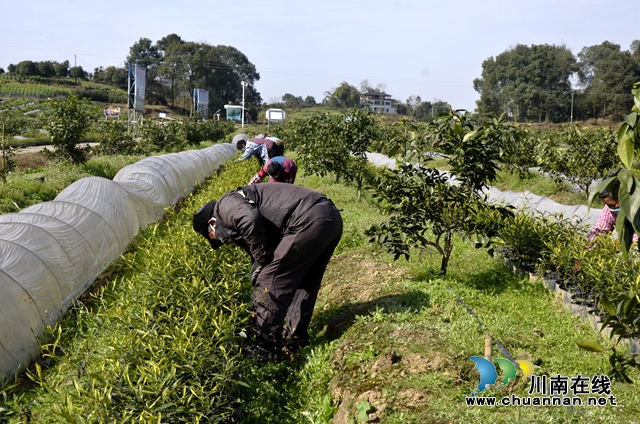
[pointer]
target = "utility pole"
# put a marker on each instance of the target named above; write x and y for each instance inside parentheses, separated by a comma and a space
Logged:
(243, 84)
(74, 65)
(571, 107)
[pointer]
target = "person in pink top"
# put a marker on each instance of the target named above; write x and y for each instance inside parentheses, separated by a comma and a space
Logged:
(280, 169)
(607, 221)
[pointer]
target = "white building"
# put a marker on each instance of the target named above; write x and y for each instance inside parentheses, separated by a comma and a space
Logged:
(379, 102)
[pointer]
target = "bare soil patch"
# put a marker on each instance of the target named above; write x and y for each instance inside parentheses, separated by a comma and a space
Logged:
(354, 285)
(390, 368)
(31, 160)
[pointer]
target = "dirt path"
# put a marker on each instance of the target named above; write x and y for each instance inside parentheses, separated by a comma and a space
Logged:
(37, 149)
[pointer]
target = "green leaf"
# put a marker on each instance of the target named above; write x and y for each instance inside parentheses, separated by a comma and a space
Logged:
(630, 203)
(625, 233)
(469, 135)
(590, 345)
(626, 180)
(363, 410)
(636, 97)
(608, 306)
(625, 145)
(631, 119)
(621, 228)
(629, 305)
(601, 186)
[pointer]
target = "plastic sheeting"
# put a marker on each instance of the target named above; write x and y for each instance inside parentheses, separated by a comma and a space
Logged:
(50, 253)
(239, 137)
(526, 200)
(543, 205)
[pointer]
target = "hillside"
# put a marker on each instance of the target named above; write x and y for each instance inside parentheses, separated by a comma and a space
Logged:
(29, 95)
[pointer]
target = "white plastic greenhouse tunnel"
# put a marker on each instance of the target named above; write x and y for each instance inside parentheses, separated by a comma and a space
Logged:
(51, 253)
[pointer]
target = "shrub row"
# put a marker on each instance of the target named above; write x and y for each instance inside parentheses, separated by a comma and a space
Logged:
(158, 343)
(14, 89)
(38, 79)
(551, 243)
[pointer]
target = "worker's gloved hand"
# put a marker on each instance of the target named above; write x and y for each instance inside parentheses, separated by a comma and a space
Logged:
(256, 268)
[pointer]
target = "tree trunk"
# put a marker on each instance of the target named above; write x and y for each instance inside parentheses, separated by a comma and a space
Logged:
(446, 253)
(443, 265)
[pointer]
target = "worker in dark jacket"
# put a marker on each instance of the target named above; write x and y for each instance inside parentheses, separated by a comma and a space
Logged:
(290, 232)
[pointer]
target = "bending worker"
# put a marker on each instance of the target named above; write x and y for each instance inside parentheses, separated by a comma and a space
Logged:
(261, 148)
(607, 220)
(279, 169)
(290, 232)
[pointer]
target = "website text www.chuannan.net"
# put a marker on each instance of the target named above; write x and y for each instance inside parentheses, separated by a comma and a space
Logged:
(515, 400)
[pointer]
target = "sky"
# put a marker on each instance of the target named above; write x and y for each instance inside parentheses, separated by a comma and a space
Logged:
(426, 48)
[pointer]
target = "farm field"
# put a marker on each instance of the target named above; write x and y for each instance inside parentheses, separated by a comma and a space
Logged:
(391, 342)
(37, 87)
(40, 180)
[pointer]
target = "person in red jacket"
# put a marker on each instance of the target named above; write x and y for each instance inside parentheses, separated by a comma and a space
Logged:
(280, 169)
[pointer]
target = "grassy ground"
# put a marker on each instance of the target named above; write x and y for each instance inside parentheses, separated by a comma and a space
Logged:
(394, 335)
(390, 340)
(39, 180)
(542, 186)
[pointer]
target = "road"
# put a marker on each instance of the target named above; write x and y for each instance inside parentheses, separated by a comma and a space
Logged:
(36, 149)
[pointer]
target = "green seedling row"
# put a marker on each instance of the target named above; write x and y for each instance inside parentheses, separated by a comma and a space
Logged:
(8, 104)
(158, 342)
(38, 79)
(16, 89)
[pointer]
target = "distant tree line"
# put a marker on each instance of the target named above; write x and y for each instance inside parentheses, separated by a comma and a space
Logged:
(176, 66)
(527, 83)
(425, 111)
(47, 69)
(533, 83)
(347, 96)
(112, 75)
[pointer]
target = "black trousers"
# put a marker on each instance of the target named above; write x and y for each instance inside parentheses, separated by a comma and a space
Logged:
(287, 288)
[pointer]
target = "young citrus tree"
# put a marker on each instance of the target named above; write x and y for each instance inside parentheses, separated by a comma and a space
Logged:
(582, 156)
(317, 141)
(520, 147)
(426, 207)
(9, 126)
(335, 143)
(404, 136)
(67, 121)
(115, 139)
